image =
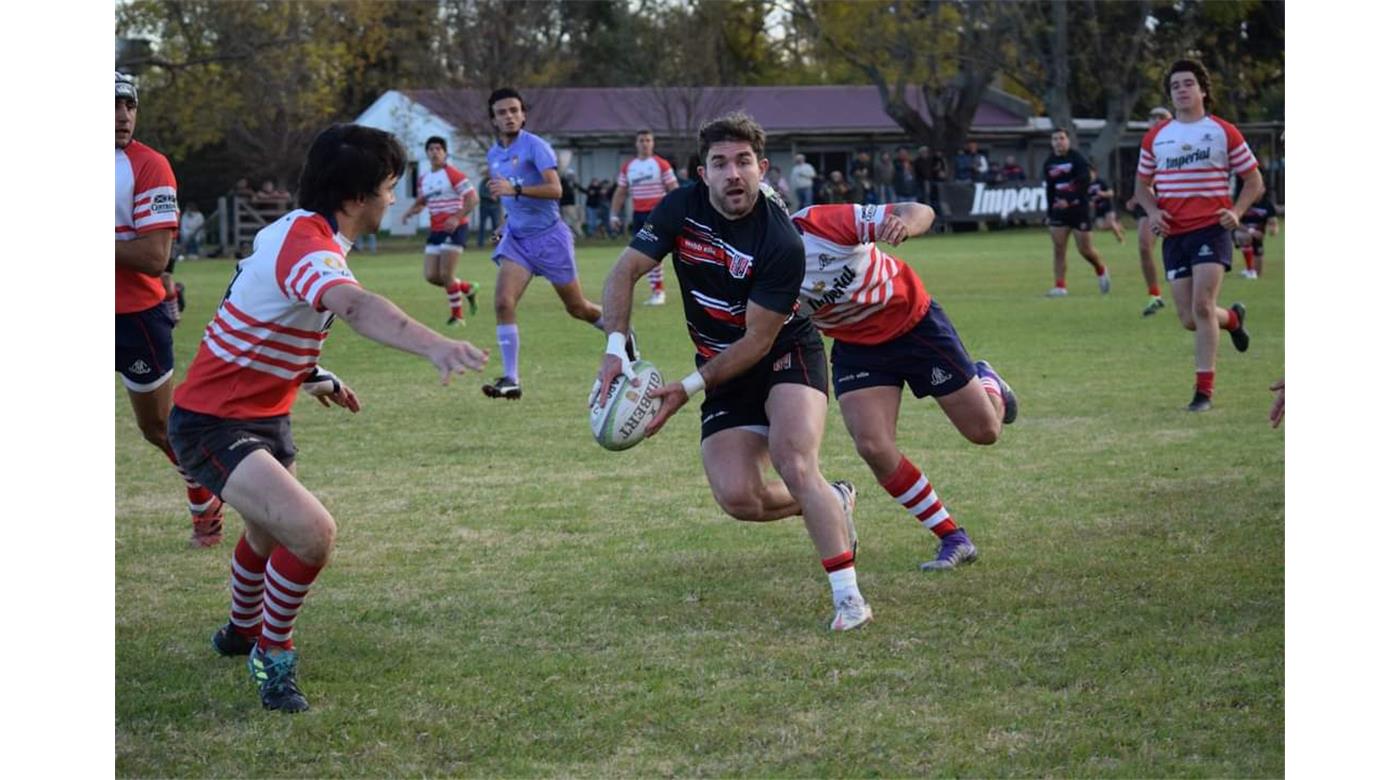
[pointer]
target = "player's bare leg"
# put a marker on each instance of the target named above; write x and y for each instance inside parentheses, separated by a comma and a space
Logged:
(511, 280)
(1084, 242)
(1115, 225)
(736, 465)
(1146, 242)
(1059, 240)
(441, 270)
(152, 412)
(976, 414)
(577, 305)
(871, 415)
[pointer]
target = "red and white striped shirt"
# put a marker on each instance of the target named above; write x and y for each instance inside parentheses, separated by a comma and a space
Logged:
(267, 334)
(1192, 163)
(445, 191)
(646, 181)
(146, 202)
(853, 291)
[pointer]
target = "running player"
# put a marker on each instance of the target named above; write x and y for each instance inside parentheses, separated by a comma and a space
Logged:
(1261, 217)
(449, 196)
(1189, 160)
(534, 241)
(647, 179)
(231, 423)
(1147, 240)
(147, 220)
(739, 263)
(1101, 198)
(1066, 175)
(888, 332)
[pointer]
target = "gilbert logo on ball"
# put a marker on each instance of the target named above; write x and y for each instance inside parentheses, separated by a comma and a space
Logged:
(620, 421)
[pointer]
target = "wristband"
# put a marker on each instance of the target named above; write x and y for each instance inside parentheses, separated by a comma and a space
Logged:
(518, 189)
(693, 383)
(617, 346)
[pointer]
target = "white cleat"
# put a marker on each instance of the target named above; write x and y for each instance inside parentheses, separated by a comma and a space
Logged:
(657, 298)
(851, 613)
(1057, 292)
(1103, 282)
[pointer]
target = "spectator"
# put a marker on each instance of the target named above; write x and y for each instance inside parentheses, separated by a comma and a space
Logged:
(923, 174)
(1011, 170)
(242, 189)
(568, 202)
(272, 195)
(863, 182)
(980, 164)
(906, 184)
(836, 190)
(801, 178)
(884, 178)
(597, 206)
(994, 173)
(191, 230)
(858, 160)
(683, 177)
(774, 179)
(488, 209)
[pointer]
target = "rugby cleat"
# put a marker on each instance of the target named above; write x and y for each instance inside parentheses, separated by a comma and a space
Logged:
(1153, 304)
(455, 322)
(1239, 336)
(503, 387)
(657, 298)
(208, 525)
(1103, 282)
(847, 493)
(227, 641)
(276, 676)
(470, 294)
(956, 550)
(1057, 292)
(851, 613)
(1009, 407)
(1199, 403)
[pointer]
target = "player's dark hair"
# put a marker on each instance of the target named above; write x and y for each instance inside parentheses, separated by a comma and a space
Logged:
(1195, 68)
(642, 132)
(347, 162)
(1060, 130)
(734, 126)
(435, 139)
(502, 94)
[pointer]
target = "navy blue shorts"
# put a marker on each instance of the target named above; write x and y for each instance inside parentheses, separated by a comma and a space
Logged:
(145, 349)
(209, 448)
(639, 219)
(1076, 217)
(1213, 244)
(438, 240)
(929, 357)
(739, 403)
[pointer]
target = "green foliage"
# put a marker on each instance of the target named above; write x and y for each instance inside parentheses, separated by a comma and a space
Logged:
(507, 599)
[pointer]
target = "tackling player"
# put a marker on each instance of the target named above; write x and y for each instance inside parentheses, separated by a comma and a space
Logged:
(1147, 240)
(647, 179)
(231, 425)
(1189, 161)
(534, 241)
(887, 332)
(762, 366)
(449, 196)
(147, 220)
(1066, 174)
(1260, 217)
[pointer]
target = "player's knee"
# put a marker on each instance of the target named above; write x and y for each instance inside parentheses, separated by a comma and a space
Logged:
(984, 430)
(796, 469)
(319, 539)
(875, 450)
(505, 310)
(1203, 310)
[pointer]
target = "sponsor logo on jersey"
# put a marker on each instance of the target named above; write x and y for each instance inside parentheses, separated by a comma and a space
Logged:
(164, 203)
(838, 288)
(938, 376)
(1186, 159)
(867, 213)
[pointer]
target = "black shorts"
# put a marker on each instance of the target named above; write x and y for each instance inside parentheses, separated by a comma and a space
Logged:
(1180, 253)
(1104, 210)
(740, 401)
(145, 348)
(929, 357)
(439, 240)
(209, 448)
(1139, 212)
(639, 218)
(1076, 217)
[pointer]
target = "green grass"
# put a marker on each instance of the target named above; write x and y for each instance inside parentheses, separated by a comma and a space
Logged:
(507, 598)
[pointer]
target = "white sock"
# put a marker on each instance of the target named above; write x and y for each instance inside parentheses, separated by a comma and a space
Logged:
(843, 584)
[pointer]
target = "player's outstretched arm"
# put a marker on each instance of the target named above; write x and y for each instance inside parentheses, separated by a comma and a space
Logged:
(631, 265)
(378, 319)
(149, 254)
(903, 221)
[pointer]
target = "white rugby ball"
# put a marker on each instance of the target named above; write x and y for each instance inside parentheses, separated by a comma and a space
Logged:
(621, 422)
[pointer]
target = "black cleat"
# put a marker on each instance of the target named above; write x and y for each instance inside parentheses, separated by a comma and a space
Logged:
(276, 676)
(504, 387)
(1200, 403)
(1239, 336)
(229, 642)
(180, 297)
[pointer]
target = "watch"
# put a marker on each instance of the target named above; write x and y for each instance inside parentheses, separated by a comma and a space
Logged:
(518, 188)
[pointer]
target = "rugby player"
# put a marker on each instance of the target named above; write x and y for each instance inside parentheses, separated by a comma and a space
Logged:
(1146, 239)
(647, 178)
(449, 197)
(1066, 174)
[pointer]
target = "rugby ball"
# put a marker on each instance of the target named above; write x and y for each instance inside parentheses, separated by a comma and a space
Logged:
(620, 422)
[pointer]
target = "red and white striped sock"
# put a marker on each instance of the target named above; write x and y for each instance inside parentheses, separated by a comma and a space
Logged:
(200, 497)
(454, 297)
(288, 580)
(657, 277)
(246, 583)
(911, 489)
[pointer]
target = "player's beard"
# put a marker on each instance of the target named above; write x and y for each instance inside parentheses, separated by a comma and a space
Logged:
(721, 200)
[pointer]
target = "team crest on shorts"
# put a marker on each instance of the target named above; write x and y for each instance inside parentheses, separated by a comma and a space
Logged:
(938, 376)
(139, 367)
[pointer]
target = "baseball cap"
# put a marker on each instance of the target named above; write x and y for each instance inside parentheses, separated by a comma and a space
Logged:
(1161, 112)
(126, 87)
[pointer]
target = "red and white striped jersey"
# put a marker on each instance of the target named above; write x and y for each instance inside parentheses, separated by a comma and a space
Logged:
(853, 291)
(1192, 163)
(444, 190)
(646, 181)
(146, 202)
(267, 334)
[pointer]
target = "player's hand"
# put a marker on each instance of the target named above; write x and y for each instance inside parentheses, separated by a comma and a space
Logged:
(1229, 219)
(497, 233)
(1060, 204)
(501, 187)
(1158, 222)
(455, 357)
(451, 223)
(344, 397)
(608, 369)
(673, 396)
(1273, 228)
(615, 223)
(1276, 411)
(893, 230)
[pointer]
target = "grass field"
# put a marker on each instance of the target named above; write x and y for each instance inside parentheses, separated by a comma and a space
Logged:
(509, 599)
